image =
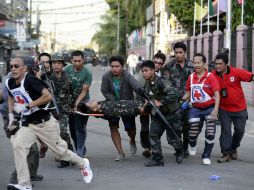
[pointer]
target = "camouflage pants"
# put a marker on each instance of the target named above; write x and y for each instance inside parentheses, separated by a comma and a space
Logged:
(64, 132)
(157, 129)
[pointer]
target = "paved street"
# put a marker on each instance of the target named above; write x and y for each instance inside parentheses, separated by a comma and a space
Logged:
(131, 174)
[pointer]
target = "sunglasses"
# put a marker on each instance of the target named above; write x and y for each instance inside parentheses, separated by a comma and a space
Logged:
(16, 66)
(156, 62)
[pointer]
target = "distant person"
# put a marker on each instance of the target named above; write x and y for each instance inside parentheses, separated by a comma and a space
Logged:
(132, 62)
(233, 108)
(119, 84)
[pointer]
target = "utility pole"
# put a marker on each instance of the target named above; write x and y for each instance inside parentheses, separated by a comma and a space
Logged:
(228, 26)
(126, 25)
(118, 26)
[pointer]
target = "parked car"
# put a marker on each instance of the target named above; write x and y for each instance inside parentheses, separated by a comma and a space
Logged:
(103, 60)
(90, 56)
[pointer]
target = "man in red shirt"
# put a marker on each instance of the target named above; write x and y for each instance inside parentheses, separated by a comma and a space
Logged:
(203, 90)
(233, 108)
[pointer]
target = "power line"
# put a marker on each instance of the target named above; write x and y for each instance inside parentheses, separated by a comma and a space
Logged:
(73, 7)
(72, 21)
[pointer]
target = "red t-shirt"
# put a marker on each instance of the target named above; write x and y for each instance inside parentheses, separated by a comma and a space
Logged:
(235, 100)
(210, 86)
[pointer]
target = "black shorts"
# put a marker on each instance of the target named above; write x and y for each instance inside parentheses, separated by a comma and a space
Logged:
(129, 122)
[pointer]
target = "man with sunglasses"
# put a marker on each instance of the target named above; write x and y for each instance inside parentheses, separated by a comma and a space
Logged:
(29, 96)
(178, 71)
(33, 156)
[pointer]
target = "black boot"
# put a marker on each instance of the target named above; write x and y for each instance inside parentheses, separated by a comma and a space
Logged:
(153, 163)
(37, 177)
(14, 179)
(179, 156)
(63, 164)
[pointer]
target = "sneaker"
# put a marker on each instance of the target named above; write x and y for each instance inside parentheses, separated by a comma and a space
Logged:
(192, 150)
(18, 187)
(224, 158)
(234, 155)
(120, 157)
(86, 172)
(133, 148)
(206, 161)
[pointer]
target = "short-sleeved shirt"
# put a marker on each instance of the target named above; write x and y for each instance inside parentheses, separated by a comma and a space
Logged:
(231, 81)
(210, 86)
(116, 84)
(77, 80)
(34, 87)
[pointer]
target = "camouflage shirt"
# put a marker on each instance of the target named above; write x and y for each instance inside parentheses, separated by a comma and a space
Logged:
(178, 75)
(61, 91)
(77, 80)
(120, 108)
(162, 90)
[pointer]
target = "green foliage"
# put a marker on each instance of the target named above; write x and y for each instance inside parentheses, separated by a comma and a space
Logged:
(106, 37)
(248, 17)
(184, 11)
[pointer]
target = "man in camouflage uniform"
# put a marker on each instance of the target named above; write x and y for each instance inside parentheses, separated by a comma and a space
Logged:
(62, 93)
(178, 71)
(165, 98)
(116, 108)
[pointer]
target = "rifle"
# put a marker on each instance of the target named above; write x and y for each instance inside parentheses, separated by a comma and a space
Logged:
(157, 112)
(50, 86)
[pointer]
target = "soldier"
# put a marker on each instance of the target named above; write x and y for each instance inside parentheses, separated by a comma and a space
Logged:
(61, 92)
(116, 108)
(158, 59)
(178, 71)
(165, 98)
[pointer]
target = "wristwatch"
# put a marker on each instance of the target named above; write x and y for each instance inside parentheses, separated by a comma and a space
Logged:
(27, 106)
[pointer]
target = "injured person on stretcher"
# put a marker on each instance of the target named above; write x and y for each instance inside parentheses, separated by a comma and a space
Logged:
(116, 108)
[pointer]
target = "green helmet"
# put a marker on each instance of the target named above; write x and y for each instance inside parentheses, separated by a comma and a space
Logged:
(57, 57)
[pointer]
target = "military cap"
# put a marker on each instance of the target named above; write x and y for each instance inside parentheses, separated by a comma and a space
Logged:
(57, 57)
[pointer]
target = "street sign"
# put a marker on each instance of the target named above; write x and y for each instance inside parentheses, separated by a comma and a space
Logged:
(2, 23)
(8, 28)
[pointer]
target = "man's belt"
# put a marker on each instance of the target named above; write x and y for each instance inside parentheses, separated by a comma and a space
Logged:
(204, 108)
(39, 120)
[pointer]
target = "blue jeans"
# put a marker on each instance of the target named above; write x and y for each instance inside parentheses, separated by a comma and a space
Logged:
(196, 119)
(229, 142)
(77, 124)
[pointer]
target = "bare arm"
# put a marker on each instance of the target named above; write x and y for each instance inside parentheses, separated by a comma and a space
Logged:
(10, 104)
(214, 113)
(186, 96)
(44, 99)
(81, 95)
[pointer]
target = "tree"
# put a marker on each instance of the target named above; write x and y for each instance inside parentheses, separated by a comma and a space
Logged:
(184, 12)
(132, 16)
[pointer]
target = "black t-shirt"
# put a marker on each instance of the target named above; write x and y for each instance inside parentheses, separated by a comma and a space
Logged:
(34, 87)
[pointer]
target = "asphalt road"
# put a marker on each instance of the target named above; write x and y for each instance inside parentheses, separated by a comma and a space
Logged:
(131, 174)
